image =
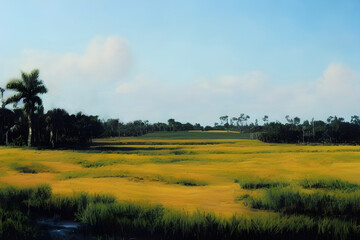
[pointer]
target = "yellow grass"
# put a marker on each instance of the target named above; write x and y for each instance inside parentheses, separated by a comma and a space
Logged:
(150, 170)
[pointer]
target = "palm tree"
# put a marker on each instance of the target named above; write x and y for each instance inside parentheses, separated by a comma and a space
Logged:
(28, 88)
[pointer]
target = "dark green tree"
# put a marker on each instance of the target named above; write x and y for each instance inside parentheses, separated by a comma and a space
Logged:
(27, 91)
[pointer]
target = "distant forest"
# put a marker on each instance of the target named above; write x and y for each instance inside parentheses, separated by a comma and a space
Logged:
(27, 123)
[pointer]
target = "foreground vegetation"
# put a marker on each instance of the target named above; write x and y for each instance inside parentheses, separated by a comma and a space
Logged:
(109, 218)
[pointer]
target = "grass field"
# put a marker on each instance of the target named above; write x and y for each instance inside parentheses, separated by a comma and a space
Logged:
(224, 175)
(181, 173)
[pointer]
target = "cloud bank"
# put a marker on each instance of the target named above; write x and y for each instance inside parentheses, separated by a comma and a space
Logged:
(77, 82)
(97, 81)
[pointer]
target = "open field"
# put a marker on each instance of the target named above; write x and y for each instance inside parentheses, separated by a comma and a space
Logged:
(180, 173)
(276, 189)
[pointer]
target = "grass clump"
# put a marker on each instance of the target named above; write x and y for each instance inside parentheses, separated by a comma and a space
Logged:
(157, 222)
(17, 207)
(328, 183)
(242, 197)
(169, 160)
(93, 174)
(180, 181)
(292, 201)
(256, 183)
(99, 163)
(32, 168)
(73, 174)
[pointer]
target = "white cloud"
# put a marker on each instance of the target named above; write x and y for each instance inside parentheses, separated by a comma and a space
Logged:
(76, 81)
(337, 81)
(204, 100)
(97, 82)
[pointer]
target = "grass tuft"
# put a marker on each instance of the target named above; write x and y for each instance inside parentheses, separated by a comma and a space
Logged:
(99, 163)
(32, 168)
(328, 183)
(180, 181)
(319, 204)
(256, 183)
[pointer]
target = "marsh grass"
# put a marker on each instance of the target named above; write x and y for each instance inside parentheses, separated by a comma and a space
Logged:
(242, 197)
(180, 181)
(31, 168)
(328, 183)
(94, 174)
(257, 182)
(157, 222)
(292, 201)
(108, 218)
(172, 160)
(99, 163)
(126, 174)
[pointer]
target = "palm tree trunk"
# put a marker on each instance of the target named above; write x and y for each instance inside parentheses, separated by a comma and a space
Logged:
(30, 131)
(7, 137)
(52, 139)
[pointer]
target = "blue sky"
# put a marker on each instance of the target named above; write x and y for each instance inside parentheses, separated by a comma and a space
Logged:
(192, 60)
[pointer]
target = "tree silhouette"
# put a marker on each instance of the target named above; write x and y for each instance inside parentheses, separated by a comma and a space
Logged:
(28, 88)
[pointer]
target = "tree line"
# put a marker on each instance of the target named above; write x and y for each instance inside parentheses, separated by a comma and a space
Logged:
(26, 123)
(334, 130)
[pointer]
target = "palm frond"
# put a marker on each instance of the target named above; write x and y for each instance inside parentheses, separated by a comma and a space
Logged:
(25, 79)
(37, 100)
(34, 75)
(16, 84)
(40, 89)
(14, 99)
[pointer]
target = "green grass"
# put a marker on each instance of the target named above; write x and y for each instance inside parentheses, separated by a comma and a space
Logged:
(242, 197)
(180, 181)
(126, 174)
(256, 183)
(328, 183)
(157, 222)
(93, 174)
(99, 163)
(292, 201)
(172, 160)
(32, 168)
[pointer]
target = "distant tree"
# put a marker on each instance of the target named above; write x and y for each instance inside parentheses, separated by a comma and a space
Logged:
(243, 119)
(234, 120)
(7, 120)
(329, 119)
(171, 123)
(296, 120)
(55, 124)
(247, 117)
(265, 119)
(28, 88)
(287, 117)
(224, 120)
(355, 120)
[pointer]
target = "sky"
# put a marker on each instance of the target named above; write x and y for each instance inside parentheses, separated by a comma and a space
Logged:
(190, 60)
